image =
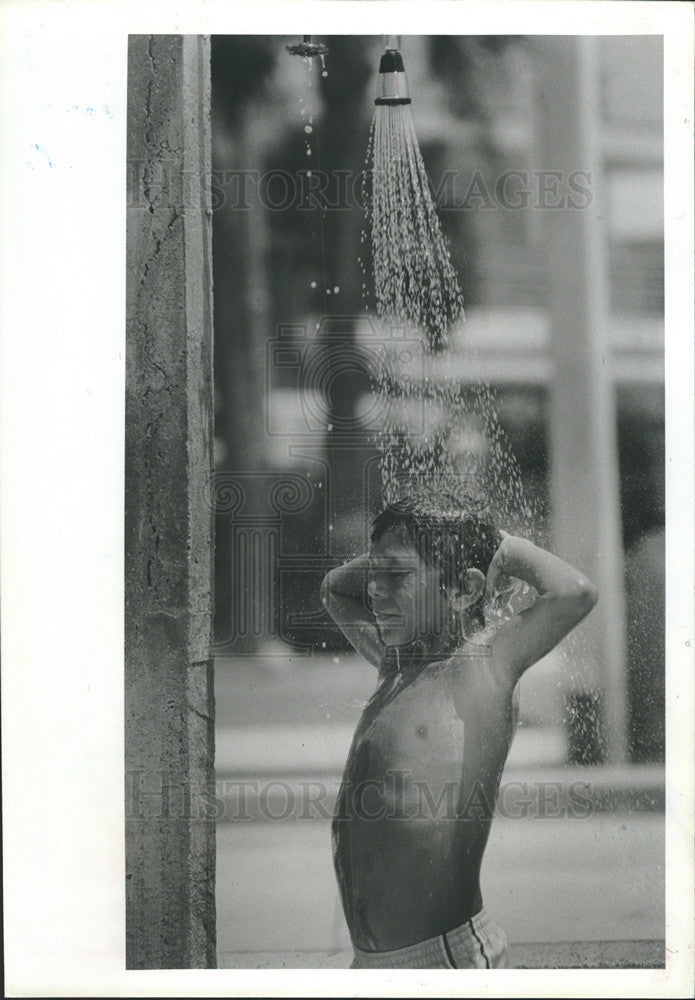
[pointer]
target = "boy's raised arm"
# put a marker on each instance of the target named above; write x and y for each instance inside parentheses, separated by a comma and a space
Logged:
(343, 593)
(565, 597)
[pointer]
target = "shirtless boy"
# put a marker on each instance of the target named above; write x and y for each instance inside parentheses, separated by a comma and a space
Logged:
(420, 784)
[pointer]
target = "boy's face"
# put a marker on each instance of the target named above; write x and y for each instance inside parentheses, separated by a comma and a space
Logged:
(406, 594)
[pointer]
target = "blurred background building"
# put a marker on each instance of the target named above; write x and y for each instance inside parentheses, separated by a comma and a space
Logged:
(295, 460)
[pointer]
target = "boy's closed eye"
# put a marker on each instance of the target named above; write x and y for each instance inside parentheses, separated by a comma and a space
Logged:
(398, 574)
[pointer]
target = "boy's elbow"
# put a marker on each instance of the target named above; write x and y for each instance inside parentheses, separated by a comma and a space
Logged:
(587, 595)
(578, 597)
(325, 588)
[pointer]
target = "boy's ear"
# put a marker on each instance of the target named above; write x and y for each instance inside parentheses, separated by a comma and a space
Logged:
(470, 592)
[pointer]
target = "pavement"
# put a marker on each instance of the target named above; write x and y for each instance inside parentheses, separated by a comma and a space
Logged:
(559, 955)
(573, 887)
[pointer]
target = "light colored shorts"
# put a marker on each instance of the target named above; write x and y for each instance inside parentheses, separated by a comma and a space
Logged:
(477, 944)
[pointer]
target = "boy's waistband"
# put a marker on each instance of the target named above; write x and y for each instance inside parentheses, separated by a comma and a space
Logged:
(478, 943)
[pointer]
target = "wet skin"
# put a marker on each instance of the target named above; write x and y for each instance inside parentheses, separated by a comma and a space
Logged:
(415, 806)
(426, 761)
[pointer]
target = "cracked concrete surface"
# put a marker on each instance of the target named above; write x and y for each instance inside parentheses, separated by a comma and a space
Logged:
(169, 710)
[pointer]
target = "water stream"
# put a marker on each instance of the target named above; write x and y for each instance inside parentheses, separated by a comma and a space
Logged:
(442, 432)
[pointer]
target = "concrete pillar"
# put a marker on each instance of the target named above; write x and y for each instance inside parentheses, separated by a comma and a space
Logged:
(169, 702)
(585, 486)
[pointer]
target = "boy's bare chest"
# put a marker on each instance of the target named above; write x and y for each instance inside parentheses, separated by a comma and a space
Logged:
(429, 728)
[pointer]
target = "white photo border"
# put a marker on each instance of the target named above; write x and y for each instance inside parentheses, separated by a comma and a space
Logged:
(62, 314)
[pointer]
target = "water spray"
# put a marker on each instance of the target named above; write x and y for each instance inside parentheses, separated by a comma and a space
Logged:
(416, 290)
(414, 280)
(458, 443)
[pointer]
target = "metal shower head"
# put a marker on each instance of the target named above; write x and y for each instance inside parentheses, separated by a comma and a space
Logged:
(393, 86)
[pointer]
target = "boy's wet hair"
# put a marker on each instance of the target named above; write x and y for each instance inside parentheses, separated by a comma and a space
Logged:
(453, 531)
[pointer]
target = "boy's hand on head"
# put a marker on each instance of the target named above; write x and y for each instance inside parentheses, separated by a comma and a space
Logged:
(506, 593)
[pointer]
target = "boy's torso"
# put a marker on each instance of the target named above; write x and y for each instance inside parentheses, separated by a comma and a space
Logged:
(418, 794)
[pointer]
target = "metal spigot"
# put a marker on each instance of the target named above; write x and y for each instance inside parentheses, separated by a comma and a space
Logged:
(307, 49)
